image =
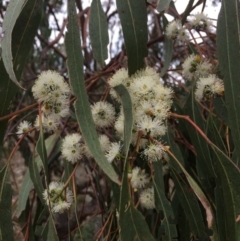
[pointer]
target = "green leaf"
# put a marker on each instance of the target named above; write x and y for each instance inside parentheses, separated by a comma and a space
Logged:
(82, 107)
(53, 146)
(221, 109)
(22, 40)
(228, 43)
(228, 178)
(163, 5)
(42, 152)
(128, 116)
(13, 11)
(134, 226)
(133, 16)
(98, 30)
(6, 226)
(190, 205)
(132, 223)
(220, 213)
(36, 179)
(162, 204)
(168, 50)
(200, 195)
(52, 232)
(204, 163)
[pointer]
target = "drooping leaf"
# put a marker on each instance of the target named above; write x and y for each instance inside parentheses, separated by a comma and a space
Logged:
(228, 179)
(228, 43)
(134, 226)
(82, 106)
(52, 232)
(220, 213)
(162, 204)
(98, 30)
(168, 51)
(133, 16)
(6, 226)
(53, 146)
(190, 205)
(163, 5)
(128, 116)
(36, 179)
(132, 223)
(22, 40)
(42, 152)
(199, 194)
(204, 164)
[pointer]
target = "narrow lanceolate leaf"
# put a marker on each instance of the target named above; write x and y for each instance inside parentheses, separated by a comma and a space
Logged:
(133, 16)
(22, 41)
(199, 193)
(163, 5)
(162, 204)
(228, 179)
(190, 206)
(82, 106)
(228, 44)
(13, 11)
(52, 232)
(168, 50)
(42, 152)
(132, 223)
(6, 228)
(98, 30)
(36, 179)
(128, 116)
(134, 226)
(53, 146)
(204, 161)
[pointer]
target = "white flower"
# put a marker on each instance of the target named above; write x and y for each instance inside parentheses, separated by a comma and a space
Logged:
(175, 30)
(147, 198)
(194, 67)
(142, 86)
(139, 178)
(23, 127)
(50, 123)
(71, 148)
(149, 72)
(103, 114)
(153, 152)
(113, 151)
(208, 87)
(164, 94)
(200, 22)
(118, 78)
(50, 86)
(58, 198)
(149, 125)
(104, 142)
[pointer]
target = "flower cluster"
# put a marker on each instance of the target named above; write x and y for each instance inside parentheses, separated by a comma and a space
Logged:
(209, 87)
(58, 198)
(151, 104)
(195, 67)
(200, 22)
(176, 31)
(52, 92)
(71, 147)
